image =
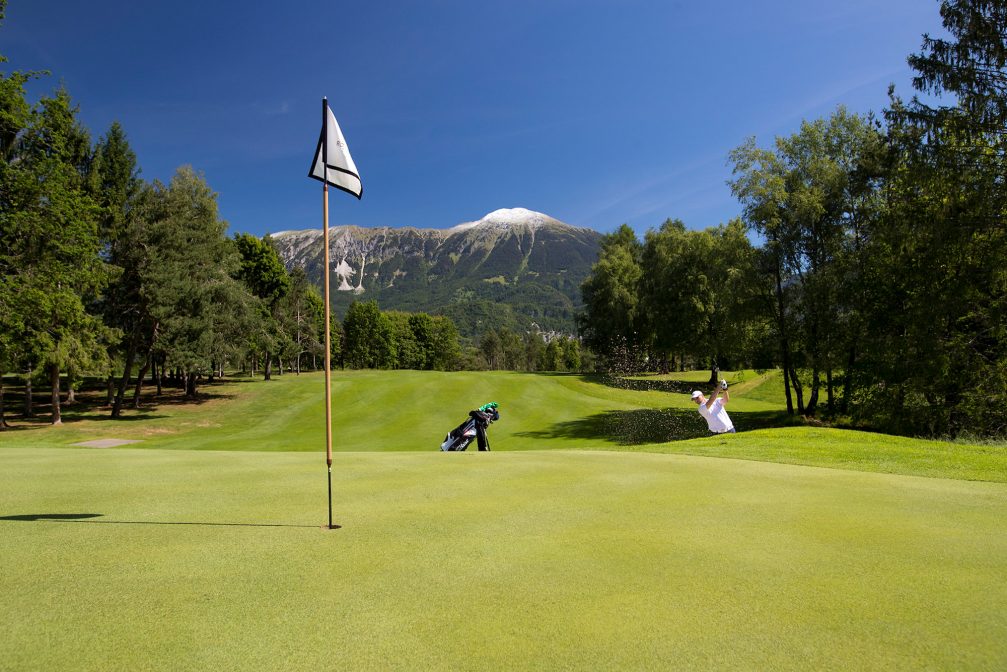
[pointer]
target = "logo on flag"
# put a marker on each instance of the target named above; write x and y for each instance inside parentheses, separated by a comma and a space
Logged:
(333, 163)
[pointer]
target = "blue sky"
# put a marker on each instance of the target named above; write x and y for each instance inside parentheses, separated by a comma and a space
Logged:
(596, 112)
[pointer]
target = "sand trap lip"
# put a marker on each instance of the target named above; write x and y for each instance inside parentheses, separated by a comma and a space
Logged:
(107, 443)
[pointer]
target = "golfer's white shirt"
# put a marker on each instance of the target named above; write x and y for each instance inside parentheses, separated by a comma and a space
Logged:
(716, 417)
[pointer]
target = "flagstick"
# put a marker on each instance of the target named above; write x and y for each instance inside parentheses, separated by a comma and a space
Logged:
(328, 351)
(328, 335)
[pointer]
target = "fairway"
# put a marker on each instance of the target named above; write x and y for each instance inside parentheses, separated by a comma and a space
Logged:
(593, 379)
(413, 410)
(150, 559)
(384, 410)
(604, 531)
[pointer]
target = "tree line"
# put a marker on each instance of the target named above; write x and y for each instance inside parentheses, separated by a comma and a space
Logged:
(868, 265)
(529, 351)
(877, 280)
(373, 339)
(105, 274)
(376, 339)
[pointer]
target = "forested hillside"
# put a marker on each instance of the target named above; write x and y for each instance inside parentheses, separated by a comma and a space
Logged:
(513, 268)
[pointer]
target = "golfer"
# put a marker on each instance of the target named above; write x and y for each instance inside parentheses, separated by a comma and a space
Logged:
(713, 410)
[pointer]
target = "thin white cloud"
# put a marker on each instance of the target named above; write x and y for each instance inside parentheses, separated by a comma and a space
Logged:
(631, 202)
(276, 110)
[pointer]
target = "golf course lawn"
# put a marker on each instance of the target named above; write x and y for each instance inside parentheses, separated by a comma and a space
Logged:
(413, 410)
(372, 410)
(152, 559)
(604, 531)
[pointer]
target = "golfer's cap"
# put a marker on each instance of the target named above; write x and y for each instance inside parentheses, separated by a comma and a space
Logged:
(696, 394)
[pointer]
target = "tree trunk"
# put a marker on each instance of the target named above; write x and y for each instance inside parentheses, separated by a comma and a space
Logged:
(714, 372)
(798, 390)
(57, 418)
(781, 322)
(213, 371)
(848, 380)
(139, 382)
(29, 411)
(816, 370)
(110, 391)
(71, 396)
(269, 367)
(3, 420)
(828, 382)
(160, 376)
(190, 385)
(816, 383)
(124, 381)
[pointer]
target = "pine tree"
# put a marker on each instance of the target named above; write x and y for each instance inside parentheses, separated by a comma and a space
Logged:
(196, 305)
(50, 240)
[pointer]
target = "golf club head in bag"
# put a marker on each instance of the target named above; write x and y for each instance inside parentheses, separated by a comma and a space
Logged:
(473, 429)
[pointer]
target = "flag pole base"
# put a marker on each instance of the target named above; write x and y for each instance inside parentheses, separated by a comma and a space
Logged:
(332, 526)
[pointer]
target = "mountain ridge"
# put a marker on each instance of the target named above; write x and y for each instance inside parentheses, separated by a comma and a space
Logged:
(514, 267)
(502, 218)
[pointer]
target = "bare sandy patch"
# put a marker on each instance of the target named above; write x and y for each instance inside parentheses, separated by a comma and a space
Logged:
(107, 443)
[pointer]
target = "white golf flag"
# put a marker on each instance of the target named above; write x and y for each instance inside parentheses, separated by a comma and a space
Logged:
(337, 168)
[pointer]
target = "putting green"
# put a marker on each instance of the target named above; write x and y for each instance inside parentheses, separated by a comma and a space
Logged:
(152, 559)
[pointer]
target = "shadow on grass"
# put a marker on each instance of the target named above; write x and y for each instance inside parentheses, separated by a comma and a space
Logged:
(129, 415)
(647, 384)
(632, 384)
(41, 421)
(643, 426)
(86, 518)
(180, 400)
(93, 407)
(51, 516)
(29, 424)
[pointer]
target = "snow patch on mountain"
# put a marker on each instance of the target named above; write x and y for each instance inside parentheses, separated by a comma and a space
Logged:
(509, 218)
(295, 241)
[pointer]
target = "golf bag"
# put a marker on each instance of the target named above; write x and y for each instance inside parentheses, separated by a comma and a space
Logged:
(461, 436)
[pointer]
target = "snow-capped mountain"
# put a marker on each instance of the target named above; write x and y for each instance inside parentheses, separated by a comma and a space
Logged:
(511, 268)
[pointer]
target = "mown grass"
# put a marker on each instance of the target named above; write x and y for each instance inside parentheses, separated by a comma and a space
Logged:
(599, 534)
(412, 410)
(537, 560)
(372, 410)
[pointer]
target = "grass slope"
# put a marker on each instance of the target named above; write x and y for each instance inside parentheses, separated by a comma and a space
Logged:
(152, 559)
(372, 410)
(412, 410)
